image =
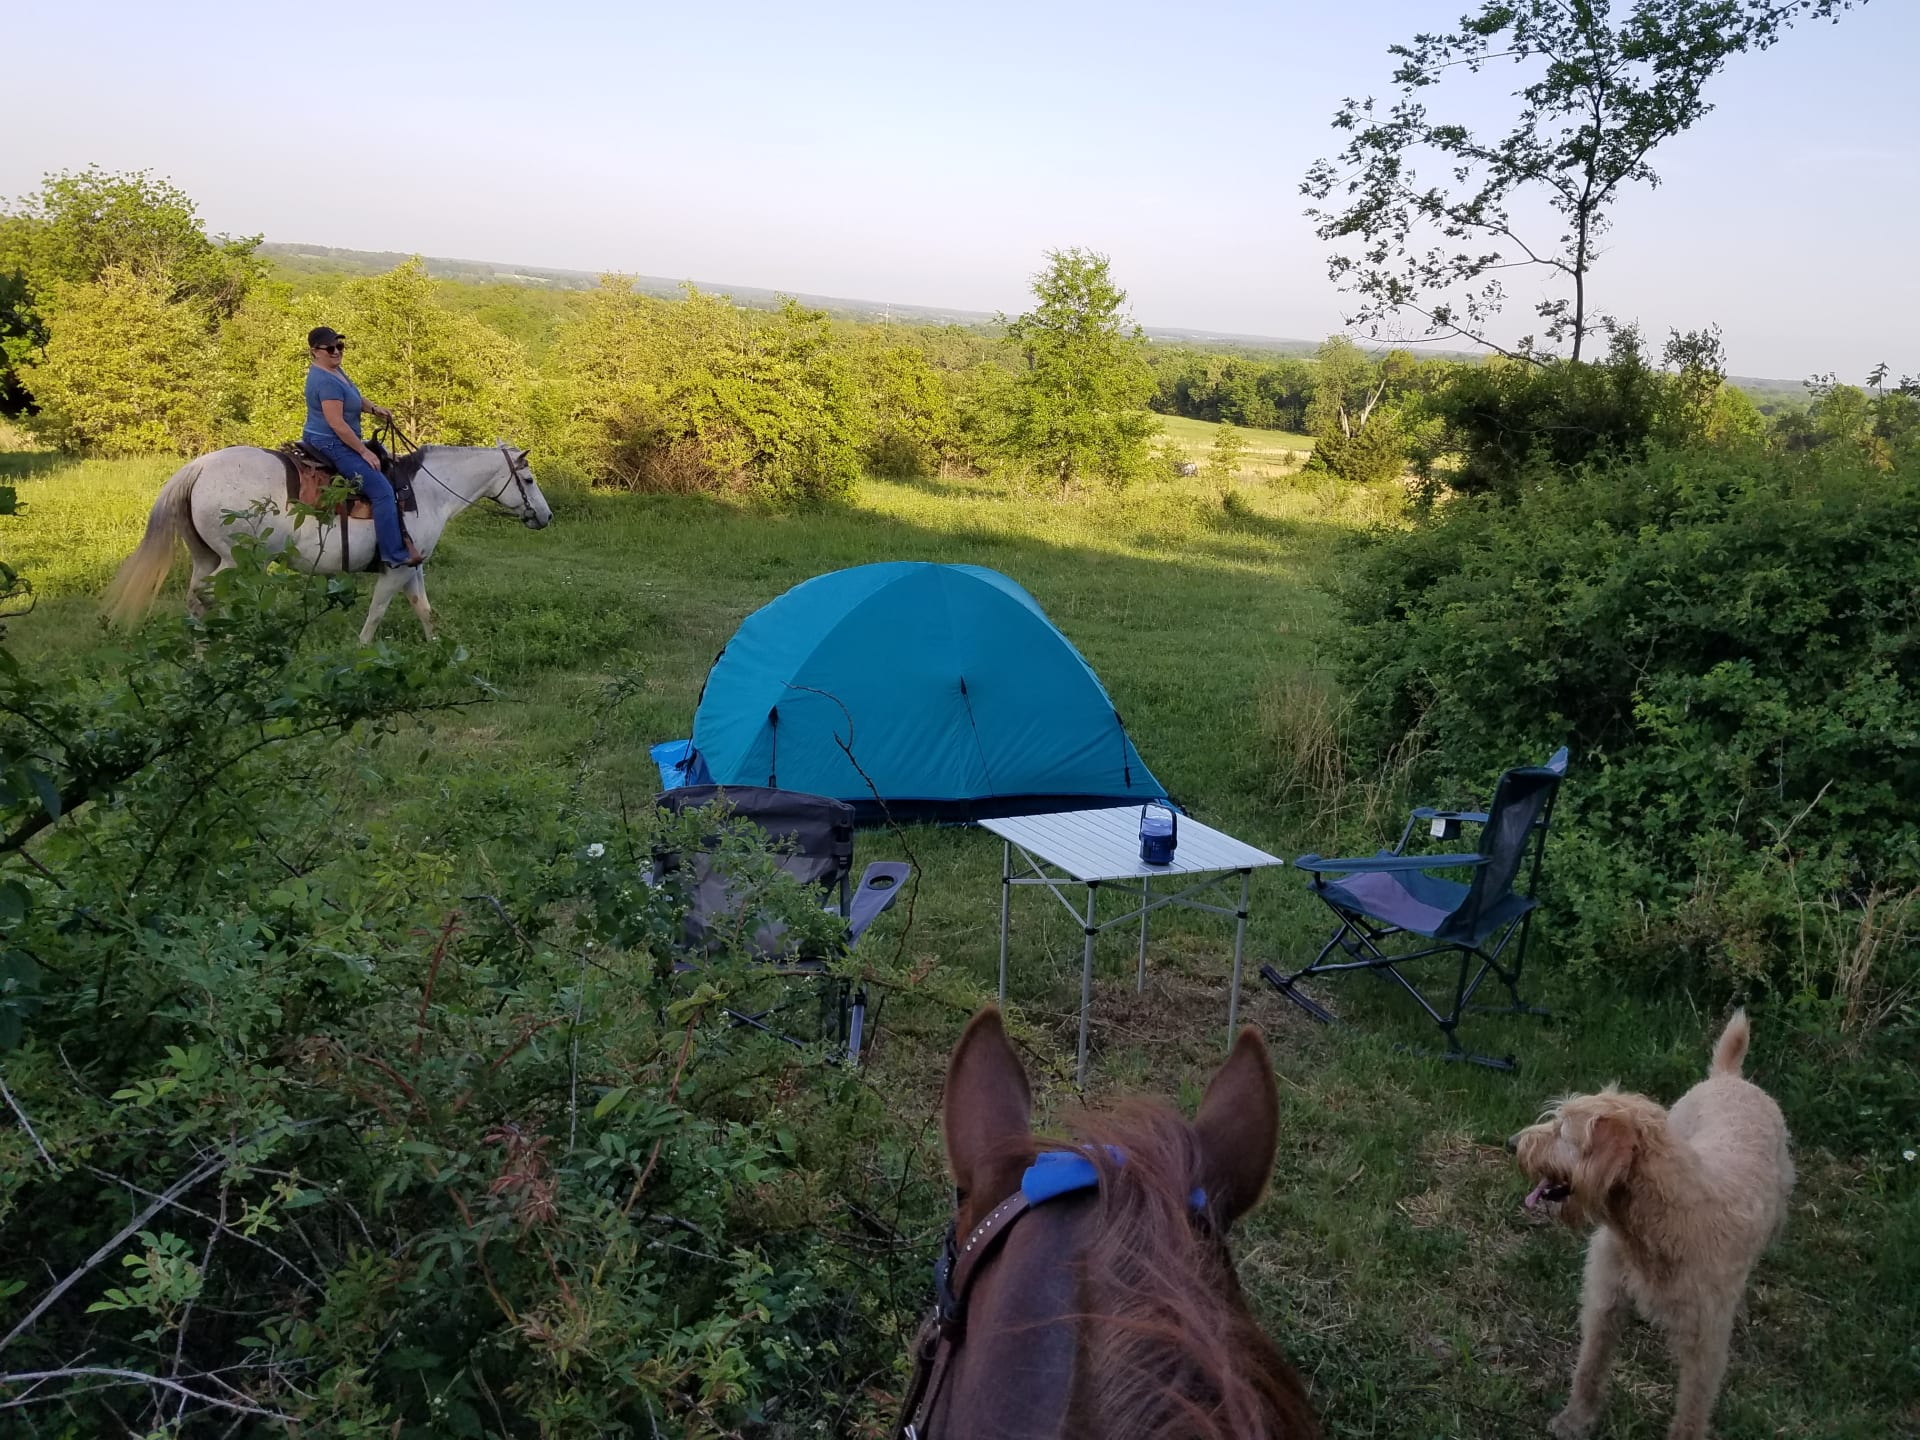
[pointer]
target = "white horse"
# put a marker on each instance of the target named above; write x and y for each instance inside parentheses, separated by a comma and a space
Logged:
(242, 490)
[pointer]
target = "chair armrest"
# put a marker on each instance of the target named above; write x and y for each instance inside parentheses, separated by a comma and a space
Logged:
(1315, 865)
(880, 886)
(1427, 812)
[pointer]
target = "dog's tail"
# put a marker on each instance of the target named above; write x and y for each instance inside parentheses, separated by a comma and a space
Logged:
(1730, 1050)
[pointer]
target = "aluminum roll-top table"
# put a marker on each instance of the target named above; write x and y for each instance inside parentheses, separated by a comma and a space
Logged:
(1098, 848)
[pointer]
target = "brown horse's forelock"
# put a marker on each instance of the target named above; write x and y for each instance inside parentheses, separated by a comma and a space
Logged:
(1174, 1351)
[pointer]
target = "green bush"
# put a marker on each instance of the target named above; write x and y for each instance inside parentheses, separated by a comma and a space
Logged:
(696, 396)
(1729, 642)
(122, 372)
(1503, 422)
(335, 1133)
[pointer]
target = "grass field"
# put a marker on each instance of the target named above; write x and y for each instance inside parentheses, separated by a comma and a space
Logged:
(1270, 454)
(1392, 1258)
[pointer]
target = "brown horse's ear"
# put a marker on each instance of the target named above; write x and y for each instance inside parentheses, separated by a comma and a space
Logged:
(987, 1110)
(1239, 1128)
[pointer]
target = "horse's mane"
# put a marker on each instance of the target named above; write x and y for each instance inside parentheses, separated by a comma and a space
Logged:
(1175, 1351)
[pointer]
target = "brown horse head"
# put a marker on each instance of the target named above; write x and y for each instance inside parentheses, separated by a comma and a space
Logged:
(1112, 1310)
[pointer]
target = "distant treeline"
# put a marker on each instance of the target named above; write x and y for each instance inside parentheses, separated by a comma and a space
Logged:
(1207, 385)
(126, 329)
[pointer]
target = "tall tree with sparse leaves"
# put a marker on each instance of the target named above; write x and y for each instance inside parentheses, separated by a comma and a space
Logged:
(1078, 409)
(1432, 218)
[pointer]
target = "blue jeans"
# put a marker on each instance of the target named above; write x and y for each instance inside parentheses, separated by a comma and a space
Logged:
(377, 489)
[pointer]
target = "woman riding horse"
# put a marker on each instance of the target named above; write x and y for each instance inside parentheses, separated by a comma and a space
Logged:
(333, 428)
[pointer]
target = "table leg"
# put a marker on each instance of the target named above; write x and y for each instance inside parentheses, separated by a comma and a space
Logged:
(1146, 894)
(1006, 890)
(1239, 948)
(1086, 989)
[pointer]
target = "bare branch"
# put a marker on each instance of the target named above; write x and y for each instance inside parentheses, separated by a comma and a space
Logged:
(26, 1125)
(130, 1377)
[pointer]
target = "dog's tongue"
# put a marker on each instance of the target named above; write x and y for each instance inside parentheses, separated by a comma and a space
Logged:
(1533, 1196)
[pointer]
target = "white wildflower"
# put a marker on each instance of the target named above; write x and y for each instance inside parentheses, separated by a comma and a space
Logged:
(596, 850)
(1910, 1155)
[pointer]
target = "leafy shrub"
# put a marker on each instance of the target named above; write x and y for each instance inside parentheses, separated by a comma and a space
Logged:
(1502, 422)
(1372, 454)
(910, 424)
(122, 370)
(326, 1129)
(1730, 644)
(692, 397)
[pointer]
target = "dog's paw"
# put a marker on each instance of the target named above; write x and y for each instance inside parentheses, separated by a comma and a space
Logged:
(1569, 1425)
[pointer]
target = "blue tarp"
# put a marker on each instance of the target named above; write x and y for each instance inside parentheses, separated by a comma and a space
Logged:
(925, 691)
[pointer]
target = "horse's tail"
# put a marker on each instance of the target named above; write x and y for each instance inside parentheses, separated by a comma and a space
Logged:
(142, 573)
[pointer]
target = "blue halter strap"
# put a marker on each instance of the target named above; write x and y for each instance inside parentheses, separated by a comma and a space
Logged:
(1065, 1172)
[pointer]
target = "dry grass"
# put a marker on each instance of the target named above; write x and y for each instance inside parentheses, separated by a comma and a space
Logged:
(1301, 722)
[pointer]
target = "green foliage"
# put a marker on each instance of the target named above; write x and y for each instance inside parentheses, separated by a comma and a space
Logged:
(124, 369)
(1354, 416)
(1502, 423)
(911, 423)
(447, 1148)
(1077, 410)
(1223, 459)
(1599, 96)
(1880, 423)
(78, 227)
(205, 694)
(700, 397)
(1730, 645)
(76, 232)
(1206, 385)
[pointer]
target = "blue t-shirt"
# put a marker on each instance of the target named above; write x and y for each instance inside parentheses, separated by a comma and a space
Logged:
(330, 385)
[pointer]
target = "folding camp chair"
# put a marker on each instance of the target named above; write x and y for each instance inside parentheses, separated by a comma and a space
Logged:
(813, 836)
(1391, 894)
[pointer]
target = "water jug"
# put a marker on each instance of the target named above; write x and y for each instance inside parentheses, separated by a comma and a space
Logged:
(1159, 833)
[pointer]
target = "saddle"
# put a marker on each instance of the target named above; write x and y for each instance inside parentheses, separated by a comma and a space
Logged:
(309, 470)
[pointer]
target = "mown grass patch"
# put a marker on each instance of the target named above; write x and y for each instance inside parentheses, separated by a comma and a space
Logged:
(1392, 1257)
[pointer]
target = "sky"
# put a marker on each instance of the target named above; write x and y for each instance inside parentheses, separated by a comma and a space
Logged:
(931, 153)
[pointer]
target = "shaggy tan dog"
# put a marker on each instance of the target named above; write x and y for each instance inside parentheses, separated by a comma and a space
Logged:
(1685, 1201)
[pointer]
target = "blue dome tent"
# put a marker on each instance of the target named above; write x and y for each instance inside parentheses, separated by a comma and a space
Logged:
(929, 692)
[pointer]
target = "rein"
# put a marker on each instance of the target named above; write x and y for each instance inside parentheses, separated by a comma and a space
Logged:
(1053, 1173)
(514, 474)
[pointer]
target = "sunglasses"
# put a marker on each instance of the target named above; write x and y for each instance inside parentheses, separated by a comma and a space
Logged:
(339, 349)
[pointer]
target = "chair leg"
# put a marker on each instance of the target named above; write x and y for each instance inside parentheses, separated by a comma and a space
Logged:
(856, 1025)
(1509, 978)
(1285, 983)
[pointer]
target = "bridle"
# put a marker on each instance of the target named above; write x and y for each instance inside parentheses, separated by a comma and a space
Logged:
(940, 1337)
(515, 476)
(1054, 1173)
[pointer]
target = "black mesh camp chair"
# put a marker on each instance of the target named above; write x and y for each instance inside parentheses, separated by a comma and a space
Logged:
(1391, 894)
(813, 836)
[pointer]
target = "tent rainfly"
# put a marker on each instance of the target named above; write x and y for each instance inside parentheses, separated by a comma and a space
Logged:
(920, 691)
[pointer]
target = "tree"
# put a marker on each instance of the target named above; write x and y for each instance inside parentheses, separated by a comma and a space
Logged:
(1355, 426)
(77, 227)
(446, 376)
(1078, 408)
(124, 371)
(1603, 96)
(1223, 461)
